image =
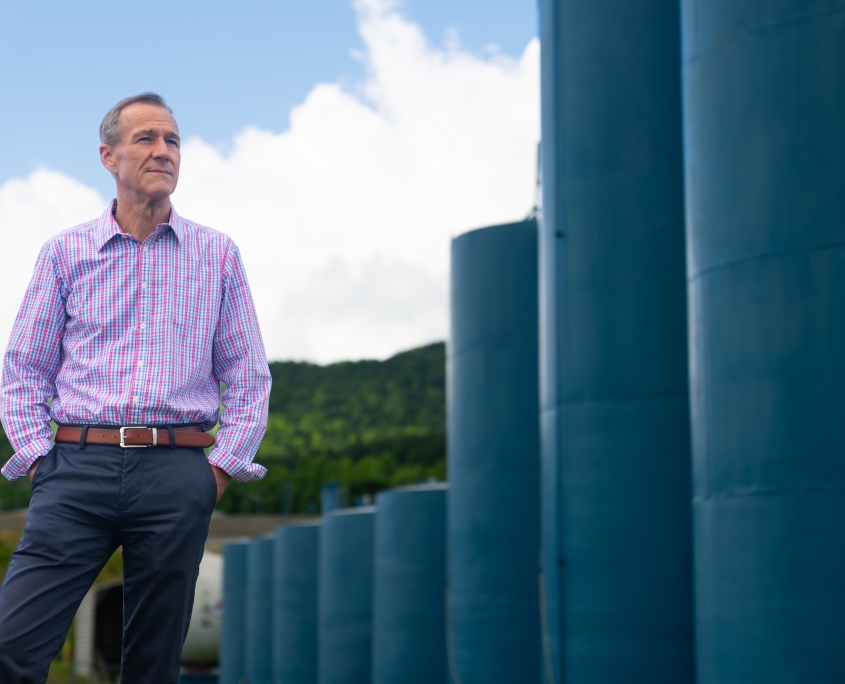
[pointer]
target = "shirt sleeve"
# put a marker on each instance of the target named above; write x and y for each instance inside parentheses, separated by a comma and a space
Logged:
(238, 360)
(31, 364)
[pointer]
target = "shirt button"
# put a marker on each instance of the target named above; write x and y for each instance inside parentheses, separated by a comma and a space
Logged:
(143, 326)
(140, 363)
(146, 249)
(143, 286)
(136, 399)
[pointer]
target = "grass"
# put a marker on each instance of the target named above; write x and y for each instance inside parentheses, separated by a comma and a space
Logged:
(62, 673)
(112, 570)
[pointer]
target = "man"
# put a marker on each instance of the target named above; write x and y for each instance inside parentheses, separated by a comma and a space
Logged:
(133, 319)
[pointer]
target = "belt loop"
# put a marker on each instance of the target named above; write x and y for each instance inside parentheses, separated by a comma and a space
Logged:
(83, 433)
(172, 434)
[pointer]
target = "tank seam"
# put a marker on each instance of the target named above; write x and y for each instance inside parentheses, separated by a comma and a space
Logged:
(482, 346)
(768, 491)
(624, 400)
(818, 246)
(760, 29)
(678, 640)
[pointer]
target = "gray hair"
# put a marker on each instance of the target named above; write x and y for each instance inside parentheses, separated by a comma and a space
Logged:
(110, 131)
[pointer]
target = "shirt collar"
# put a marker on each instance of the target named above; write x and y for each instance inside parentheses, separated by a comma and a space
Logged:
(107, 227)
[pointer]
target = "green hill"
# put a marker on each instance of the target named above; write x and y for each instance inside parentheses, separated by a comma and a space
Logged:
(367, 424)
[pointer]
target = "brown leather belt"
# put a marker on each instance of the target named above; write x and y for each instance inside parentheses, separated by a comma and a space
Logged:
(132, 437)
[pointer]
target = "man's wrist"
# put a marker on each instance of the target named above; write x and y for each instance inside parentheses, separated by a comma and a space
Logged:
(34, 467)
(220, 473)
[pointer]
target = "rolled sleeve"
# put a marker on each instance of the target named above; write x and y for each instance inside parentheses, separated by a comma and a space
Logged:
(20, 464)
(240, 470)
(239, 361)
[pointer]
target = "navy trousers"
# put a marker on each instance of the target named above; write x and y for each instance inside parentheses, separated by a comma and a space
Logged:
(154, 502)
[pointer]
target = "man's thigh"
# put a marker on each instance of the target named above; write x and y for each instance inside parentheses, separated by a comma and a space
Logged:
(163, 535)
(69, 535)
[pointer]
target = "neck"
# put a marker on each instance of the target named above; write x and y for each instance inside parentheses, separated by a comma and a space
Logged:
(139, 216)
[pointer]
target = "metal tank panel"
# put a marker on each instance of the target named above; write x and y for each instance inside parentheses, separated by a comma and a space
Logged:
(764, 109)
(493, 501)
(616, 558)
(345, 604)
(295, 604)
(259, 610)
(233, 622)
(409, 637)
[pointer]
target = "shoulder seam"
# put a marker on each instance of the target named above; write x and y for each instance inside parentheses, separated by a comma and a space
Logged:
(204, 229)
(80, 228)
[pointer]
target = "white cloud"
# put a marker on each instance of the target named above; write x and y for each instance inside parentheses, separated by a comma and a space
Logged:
(344, 220)
(390, 306)
(31, 211)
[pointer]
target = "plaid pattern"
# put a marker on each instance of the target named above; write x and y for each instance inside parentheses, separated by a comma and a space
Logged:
(118, 332)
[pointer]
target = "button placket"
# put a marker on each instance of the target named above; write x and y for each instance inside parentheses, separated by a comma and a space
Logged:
(146, 311)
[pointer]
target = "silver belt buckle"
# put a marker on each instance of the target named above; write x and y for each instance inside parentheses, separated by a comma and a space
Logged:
(124, 445)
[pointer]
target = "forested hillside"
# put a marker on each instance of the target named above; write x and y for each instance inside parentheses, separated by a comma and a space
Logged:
(367, 424)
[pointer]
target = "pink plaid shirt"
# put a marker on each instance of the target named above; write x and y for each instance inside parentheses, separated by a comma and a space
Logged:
(119, 332)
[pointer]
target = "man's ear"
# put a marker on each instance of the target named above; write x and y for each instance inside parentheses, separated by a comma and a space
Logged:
(107, 157)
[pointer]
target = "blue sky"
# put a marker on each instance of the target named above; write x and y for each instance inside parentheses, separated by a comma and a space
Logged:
(341, 143)
(221, 65)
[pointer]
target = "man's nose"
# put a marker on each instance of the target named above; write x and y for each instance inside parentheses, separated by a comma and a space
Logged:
(161, 150)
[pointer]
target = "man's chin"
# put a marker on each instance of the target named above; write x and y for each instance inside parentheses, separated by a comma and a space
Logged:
(159, 191)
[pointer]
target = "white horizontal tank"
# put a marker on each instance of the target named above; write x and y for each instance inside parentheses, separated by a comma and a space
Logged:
(202, 643)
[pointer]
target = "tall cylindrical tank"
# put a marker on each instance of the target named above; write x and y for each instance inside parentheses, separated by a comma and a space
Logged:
(345, 604)
(764, 109)
(295, 604)
(409, 573)
(233, 622)
(259, 610)
(617, 580)
(493, 623)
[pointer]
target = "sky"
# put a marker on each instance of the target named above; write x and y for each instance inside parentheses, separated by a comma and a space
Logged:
(341, 144)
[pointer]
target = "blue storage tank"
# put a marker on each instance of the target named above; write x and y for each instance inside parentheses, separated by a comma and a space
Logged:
(409, 580)
(233, 620)
(493, 457)
(764, 109)
(259, 610)
(617, 558)
(346, 596)
(295, 604)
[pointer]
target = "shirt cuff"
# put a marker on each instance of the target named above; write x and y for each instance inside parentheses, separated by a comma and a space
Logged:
(240, 470)
(19, 465)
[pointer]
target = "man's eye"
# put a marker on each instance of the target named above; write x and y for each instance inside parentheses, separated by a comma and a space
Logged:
(175, 143)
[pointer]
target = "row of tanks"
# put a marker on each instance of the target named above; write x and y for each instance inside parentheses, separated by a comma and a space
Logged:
(435, 583)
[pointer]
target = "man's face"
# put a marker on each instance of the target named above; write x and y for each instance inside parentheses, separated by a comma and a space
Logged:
(146, 160)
